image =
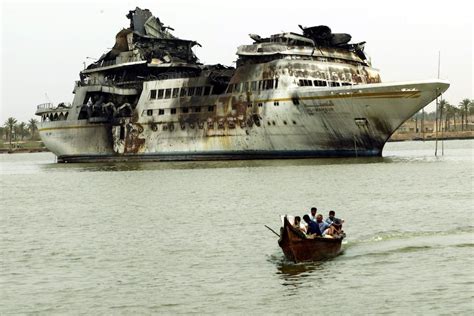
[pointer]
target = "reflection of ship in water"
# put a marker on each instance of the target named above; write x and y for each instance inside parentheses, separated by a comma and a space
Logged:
(291, 95)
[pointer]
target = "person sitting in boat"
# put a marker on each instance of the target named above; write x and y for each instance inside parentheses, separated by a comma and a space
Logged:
(312, 214)
(325, 228)
(298, 225)
(336, 222)
(313, 227)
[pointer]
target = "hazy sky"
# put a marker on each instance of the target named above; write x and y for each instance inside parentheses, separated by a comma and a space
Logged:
(44, 43)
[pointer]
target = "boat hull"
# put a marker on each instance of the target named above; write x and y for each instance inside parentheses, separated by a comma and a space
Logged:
(298, 249)
(341, 122)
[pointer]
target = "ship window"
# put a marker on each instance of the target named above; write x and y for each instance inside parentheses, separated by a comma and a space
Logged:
(199, 91)
(197, 109)
(153, 94)
(175, 92)
(246, 87)
(249, 105)
(260, 84)
(184, 110)
(309, 83)
(207, 90)
(149, 112)
(260, 104)
(237, 87)
(269, 84)
(122, 132)
(160, 93)
(276, 103)
(320, 83)
(173, 111)
(296, 101)
(183, 92)
(276, 83)
(161, 111)
(167, 93)
(346, 84)
(210, 108)
(254, 85)
(301, 82)
(191, 91)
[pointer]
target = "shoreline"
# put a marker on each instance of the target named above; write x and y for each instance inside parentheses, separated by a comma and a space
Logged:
(23, 150)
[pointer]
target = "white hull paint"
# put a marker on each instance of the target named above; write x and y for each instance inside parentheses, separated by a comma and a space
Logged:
(334, 121)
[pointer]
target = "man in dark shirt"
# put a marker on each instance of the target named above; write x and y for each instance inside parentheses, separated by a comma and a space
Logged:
(313, 227)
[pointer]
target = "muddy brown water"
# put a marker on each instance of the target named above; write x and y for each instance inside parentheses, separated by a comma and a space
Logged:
(190, 238)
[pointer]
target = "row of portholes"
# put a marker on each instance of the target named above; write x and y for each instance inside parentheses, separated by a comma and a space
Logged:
(221, 124)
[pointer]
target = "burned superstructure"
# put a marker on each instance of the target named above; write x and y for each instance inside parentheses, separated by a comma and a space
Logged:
(290, 95)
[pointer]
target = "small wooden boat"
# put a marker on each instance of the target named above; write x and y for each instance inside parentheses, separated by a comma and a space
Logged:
(297, 247)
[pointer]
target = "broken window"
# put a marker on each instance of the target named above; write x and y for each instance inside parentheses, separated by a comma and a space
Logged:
(210, 108)
(183, 92)
(207, 90)
(185, 110)
(191, 91)
(198, 91)
(254, 85)
(260, 84)
(246, 87)
(269, 84)
(153, 94)
(237, 87)
(197, 109)
(172, 111)
(161, 111)
(175, 92)
(160, 93)
(149, 112)
(167, 93)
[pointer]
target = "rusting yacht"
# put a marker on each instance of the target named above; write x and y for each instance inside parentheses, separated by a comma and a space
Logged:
(291, 95)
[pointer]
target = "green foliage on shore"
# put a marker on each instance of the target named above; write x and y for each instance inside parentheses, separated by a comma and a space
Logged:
(19, 134)
(447, 113)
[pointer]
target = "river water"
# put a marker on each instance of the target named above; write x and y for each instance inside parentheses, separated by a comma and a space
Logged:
(189, 237)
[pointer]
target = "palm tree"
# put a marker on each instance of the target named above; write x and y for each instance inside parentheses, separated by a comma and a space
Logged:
(450, 113)
(10, 125)
(442, 105)
(464, 106)
(33, 127)
(22, 130)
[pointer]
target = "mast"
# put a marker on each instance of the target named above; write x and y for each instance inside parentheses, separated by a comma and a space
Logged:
(437, 125)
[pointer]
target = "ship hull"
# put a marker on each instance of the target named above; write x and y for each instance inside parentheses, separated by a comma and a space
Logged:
(341, 122)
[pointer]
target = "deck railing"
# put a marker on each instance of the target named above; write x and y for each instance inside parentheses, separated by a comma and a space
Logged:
(45, 106)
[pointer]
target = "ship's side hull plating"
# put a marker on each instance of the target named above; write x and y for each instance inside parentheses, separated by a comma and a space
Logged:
(300, 123)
